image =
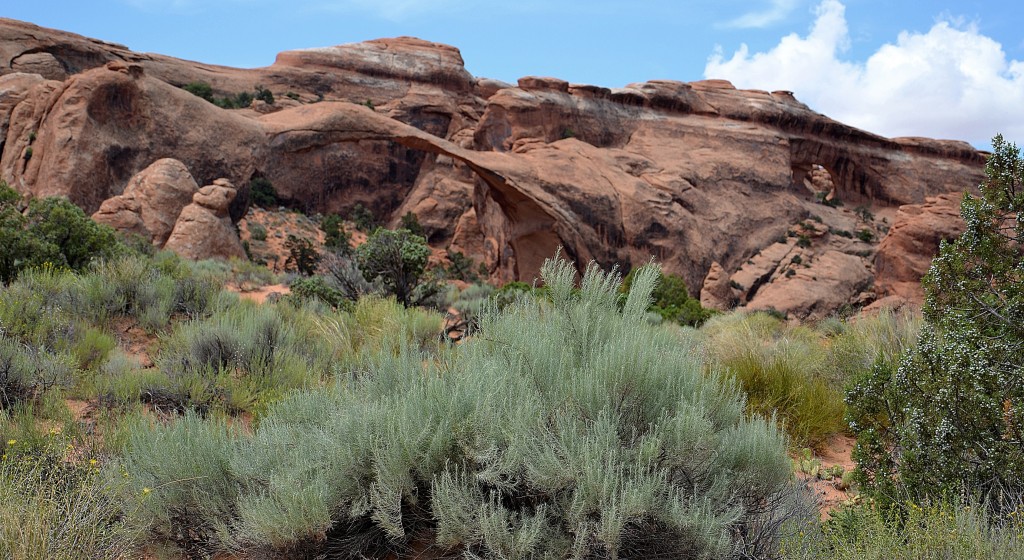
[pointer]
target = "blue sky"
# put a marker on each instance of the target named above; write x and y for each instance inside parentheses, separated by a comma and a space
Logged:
(941, 68)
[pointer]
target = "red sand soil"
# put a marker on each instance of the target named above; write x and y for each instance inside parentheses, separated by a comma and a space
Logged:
(836, 452)
(260, 295)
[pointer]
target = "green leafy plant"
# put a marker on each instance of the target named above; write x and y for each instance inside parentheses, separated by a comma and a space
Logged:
(398, 260)
(257, 232)
(316, 287)
(337, 239)
(262, 193)
(200, 89)
(864, 214)
(461, 267)
(241, 100)
(411, 222)
(302, 255)
(51, 230)
(265, 95)
(833, 202)
(866, 235)
(672, 301)
(363, 218)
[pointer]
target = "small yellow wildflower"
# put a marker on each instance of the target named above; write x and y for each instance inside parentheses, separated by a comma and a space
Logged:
(146, 490)
(92, 462)
(12, 441)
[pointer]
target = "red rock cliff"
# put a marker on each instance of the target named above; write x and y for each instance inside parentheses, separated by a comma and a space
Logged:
(695, 174)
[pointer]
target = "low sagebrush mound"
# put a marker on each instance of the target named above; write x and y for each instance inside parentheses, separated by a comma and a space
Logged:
(563, 429)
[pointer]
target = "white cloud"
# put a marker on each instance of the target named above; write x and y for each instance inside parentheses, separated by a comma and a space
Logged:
(775, 13)
(950, 82)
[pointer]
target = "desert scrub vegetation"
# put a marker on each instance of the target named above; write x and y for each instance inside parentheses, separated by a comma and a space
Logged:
(780, 369)
(234, 359)
(799, 373)
(239, 100)
(26, 372)
(60, 329)
(943, 530)
(671, 301)
(952, 406)
(46, 299)
(565, 429)
(390, 262)
(245, 355)
(48, 230)
(54, 507)
(397, 259)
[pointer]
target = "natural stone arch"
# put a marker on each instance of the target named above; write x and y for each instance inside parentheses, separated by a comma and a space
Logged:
(816, 164)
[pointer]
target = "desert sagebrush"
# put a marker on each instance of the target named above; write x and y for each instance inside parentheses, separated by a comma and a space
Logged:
(565, 428)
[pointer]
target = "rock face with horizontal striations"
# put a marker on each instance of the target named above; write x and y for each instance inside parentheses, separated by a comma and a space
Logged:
(690, 173)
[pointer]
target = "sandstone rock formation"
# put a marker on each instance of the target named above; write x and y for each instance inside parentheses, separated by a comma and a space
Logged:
(152, 201)
(691, 173)
(905, 254)
(716, 292)
(204, 228)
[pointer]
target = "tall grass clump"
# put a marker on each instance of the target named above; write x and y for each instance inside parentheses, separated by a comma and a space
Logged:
(944, 530)
(149, 290)
(782, 369)
(182, 484)
(373, 325)
(799, 373)
(27, 372)
(564, 429)
(236, 359)
(856, 346)
(52, 508)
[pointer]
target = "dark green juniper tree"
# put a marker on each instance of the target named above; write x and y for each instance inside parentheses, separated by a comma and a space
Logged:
(951, 419)
(398, 260)
(50, 230)
(302, 255)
